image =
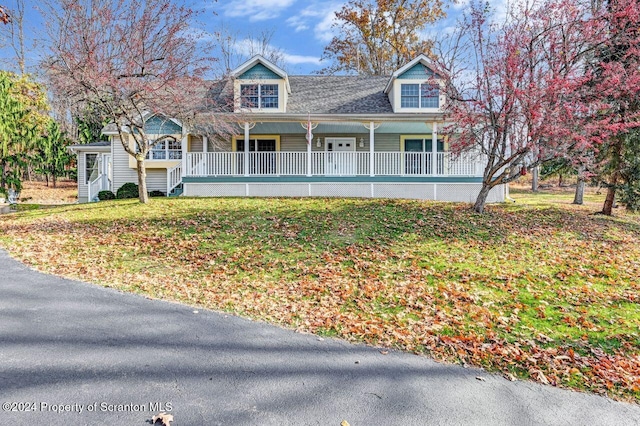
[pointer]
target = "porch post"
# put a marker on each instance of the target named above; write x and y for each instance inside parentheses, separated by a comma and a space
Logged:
(184, 145)
(434, 149)
(246, 148)
(205, 157)
(309, 142)
(371, 148)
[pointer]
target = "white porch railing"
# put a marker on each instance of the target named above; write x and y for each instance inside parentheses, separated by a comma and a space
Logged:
(95, 186)
(174, 177)
(333, 164)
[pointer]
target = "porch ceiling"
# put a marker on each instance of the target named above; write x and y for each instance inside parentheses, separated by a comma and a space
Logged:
(340, 128)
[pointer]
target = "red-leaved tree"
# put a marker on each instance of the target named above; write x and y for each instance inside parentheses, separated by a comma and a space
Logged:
(512, 87)
(130, 59)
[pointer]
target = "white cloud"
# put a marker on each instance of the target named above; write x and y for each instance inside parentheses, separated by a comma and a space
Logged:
(301, 59)
(256, 10)
(318, 15)
(248, 47)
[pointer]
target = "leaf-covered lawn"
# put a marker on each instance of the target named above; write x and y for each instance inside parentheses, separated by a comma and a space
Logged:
(536, 290)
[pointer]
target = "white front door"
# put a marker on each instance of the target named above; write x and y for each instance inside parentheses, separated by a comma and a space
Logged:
(341, 158)
(105, 171)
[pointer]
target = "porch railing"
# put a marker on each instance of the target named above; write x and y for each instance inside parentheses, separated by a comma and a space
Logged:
(95, 186)
(174, 177)
(333, 164)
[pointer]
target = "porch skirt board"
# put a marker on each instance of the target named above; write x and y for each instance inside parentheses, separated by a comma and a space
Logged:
(456, 192)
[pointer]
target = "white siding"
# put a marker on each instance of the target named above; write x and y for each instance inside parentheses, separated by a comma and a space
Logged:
(83, 189)
(122, 173)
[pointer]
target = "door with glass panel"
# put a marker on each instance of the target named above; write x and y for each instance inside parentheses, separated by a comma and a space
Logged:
(340, 156)
(262, 156)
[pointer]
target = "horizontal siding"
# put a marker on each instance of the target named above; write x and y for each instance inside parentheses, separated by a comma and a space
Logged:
(122, 173)
(196, 144)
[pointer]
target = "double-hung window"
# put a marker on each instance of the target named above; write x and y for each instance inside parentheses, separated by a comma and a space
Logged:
(166, 149)
(259, 96)
(417, 95)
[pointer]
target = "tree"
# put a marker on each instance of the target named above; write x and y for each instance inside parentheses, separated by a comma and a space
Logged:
(376, 37)
(615, 94)
(514, 102)
(5, 18)
(234, 52)
(128, 59)
(51, 156)
(23, 117)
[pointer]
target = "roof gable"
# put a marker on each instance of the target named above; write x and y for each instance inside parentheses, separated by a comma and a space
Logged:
(259, 72)
(257, 67)
(410, 69)
(417, 71)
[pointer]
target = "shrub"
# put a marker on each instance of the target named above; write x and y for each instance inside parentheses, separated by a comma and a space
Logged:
(128, 190)
(156, 193)
(106, 195)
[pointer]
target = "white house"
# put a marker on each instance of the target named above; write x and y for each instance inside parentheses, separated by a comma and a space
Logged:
(370, 136)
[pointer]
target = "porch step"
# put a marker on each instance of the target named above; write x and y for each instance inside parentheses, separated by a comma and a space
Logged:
(177, 191)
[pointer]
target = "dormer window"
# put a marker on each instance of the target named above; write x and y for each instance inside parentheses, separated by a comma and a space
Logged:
(261, 96)
(424, 95)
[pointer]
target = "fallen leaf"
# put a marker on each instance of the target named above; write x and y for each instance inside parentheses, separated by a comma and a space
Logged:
(482, 379)
(384, 352)
(344, 423)
(165, 418)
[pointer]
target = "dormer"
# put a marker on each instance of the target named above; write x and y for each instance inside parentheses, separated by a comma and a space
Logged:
(259, 86)
(416, 88)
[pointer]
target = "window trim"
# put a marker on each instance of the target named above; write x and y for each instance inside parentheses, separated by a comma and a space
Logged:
(95, 166)
(260, 105)
(166, 150)
(419, 96)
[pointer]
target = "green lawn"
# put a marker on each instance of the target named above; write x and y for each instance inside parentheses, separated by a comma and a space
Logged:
(537, 289)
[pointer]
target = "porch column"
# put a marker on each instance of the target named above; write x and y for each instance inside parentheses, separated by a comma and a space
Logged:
(246, 148)
(371, 148)
(184, 145)
(434, 149)
(309, 142)
(205, 157)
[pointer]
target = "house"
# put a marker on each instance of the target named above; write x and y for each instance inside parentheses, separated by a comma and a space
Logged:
(334, 136)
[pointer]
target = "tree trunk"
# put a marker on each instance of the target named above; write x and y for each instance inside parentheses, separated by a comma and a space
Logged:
(478, 207)
(616, 162)
(534, 179)
(560, 180)
(611, 195)
(578, 198)
(53, 177)
(143, 196)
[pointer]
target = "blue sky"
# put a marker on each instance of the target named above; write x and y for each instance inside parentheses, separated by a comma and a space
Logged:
(301, 28)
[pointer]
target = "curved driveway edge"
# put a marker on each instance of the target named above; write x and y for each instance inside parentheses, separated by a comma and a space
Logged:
(75, 353)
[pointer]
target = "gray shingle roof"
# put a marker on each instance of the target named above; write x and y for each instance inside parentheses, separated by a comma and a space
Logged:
(338, 95)
(323, 94)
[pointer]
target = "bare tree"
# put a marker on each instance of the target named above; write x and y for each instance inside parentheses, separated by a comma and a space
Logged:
(235, 50)
(130, 59)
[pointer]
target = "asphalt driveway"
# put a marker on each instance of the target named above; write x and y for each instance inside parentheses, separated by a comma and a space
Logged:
(76, 354)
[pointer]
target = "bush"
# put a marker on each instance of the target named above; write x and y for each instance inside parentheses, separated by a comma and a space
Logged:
(128, 190)
(106, 195)
(156, 193)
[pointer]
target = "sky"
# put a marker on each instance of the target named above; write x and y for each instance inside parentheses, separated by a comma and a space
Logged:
(300, 28)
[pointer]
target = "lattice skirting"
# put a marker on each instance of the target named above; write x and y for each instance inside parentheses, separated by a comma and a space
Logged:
(461, 192)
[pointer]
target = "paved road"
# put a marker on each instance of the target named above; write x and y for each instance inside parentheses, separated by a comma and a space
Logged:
(117, 359)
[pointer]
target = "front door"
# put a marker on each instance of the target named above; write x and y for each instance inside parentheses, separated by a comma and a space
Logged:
(340, 158)
(263, 157)
(414, 163)
(105, 171)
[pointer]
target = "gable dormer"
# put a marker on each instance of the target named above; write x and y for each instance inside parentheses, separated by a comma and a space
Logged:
(416, 88)
(259, 86)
